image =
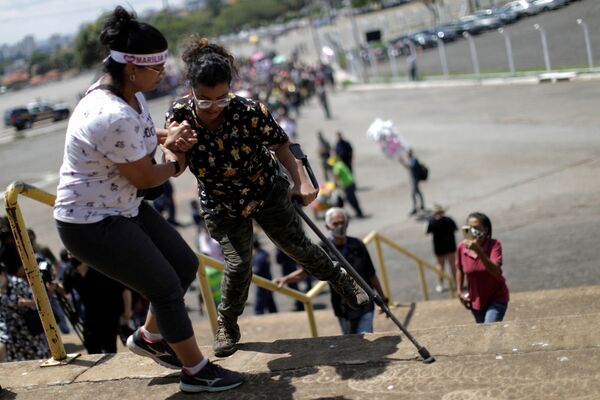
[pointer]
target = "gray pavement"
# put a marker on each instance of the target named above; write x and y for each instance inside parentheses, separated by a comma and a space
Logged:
(525, 154)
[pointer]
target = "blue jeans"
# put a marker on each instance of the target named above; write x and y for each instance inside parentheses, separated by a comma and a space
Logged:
(362, 324)
(494, 313)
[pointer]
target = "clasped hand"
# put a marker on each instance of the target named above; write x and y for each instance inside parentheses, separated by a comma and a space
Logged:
(180, 137)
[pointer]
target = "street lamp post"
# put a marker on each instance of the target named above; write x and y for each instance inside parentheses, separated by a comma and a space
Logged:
(474, 57)
(544, 46)
(443, 58)
(509, 52)
(588, 45)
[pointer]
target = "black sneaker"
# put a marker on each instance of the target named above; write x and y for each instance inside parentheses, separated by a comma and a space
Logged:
(160, 352)
(346, 286)
(226, 338)
(211, 378)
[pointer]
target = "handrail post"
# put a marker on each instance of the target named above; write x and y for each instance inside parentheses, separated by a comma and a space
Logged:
(38, 288)
(424, 289)
(384, 276)
(308, 307)
(207, 294)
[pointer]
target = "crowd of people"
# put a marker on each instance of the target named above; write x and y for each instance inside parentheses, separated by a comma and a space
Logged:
(124, 261)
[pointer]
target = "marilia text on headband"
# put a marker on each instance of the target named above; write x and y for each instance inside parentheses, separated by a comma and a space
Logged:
(139, 59)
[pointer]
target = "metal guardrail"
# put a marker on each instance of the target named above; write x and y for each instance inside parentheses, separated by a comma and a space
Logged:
(40, 296)
(378, 239)
(52, 332)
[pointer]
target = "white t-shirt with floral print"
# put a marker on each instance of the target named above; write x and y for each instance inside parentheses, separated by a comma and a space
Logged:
(103, 131)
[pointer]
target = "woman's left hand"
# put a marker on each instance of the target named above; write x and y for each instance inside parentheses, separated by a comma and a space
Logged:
(305, 192)
(180, 137)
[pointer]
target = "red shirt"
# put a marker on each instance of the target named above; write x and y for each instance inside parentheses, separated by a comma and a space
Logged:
(484, 287)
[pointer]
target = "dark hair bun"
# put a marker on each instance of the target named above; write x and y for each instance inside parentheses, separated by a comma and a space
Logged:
(117, 26)
(198, 46)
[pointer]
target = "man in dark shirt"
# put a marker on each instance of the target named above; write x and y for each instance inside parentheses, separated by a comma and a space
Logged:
(356, 253)
(343, 149)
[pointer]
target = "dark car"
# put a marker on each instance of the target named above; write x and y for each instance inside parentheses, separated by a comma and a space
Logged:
(446, 32)
(424, 39)
(42, 110)
(19, 117)
(506, 14)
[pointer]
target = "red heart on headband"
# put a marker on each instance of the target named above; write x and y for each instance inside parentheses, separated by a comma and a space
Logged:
(129, 58)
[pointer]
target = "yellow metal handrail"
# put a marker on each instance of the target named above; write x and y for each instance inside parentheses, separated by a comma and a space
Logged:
(40, 296)
(378, 238)
(51, 329)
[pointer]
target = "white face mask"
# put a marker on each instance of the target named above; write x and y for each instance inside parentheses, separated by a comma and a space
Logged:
(477, 234)
(339, 231)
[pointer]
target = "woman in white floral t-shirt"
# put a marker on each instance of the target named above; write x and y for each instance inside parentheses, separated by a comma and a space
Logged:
(100, 213)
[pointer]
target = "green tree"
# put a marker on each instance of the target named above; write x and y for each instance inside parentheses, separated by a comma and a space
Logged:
(39, 63)
(214, 7)
(87, 47)
(63, 59)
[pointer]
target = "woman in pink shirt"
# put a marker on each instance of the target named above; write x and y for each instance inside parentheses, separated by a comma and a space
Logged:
(479, 258)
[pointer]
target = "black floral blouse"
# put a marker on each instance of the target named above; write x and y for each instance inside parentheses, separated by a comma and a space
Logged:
(234, 167)
(20, 344)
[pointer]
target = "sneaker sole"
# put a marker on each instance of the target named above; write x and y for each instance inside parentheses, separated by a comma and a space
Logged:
(225, 351)
(141, 352)
(198, 388)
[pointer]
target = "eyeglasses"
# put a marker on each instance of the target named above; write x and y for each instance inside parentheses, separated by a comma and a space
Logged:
(206, 104)
(157, 71)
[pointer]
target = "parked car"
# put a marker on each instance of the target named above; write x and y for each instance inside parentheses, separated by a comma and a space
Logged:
(523, 8)
(18, 117)
(424, 39)
(470, 24)
(42, 110)
(548, 5)
(23, 117)
(488, 19)
(506, 14)
(446, 32)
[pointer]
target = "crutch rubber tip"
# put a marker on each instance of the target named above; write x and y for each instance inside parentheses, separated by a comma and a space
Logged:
(427, 358)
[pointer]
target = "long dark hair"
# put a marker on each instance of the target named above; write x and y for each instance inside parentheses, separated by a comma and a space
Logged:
(484, 219)
(123, 32)
(207, 63)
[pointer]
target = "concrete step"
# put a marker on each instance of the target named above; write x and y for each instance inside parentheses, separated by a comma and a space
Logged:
(541, 358)
(430, 314)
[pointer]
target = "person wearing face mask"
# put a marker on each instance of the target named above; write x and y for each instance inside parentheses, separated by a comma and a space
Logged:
(479, 259)
(356, 253)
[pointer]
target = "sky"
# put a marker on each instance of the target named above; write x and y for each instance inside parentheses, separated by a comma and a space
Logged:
(43, 18)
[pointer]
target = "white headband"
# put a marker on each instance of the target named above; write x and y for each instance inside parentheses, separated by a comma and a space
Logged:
(139, 59)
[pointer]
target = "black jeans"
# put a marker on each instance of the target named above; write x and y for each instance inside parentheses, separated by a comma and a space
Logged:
(144, 253)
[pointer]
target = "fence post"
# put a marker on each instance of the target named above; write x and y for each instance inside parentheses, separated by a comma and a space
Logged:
(474, 57)
(509, 52)
(588, 45)
(443, 58)
(544, 46)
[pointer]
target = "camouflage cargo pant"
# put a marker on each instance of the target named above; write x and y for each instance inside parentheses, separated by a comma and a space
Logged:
(283, 226)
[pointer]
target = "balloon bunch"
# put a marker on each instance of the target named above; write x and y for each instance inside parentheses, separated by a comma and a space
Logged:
(385, 134)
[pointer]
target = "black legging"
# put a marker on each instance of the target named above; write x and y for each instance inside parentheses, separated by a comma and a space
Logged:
(144, 253)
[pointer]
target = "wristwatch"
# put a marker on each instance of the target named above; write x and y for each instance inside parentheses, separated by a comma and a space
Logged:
(177, 167)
